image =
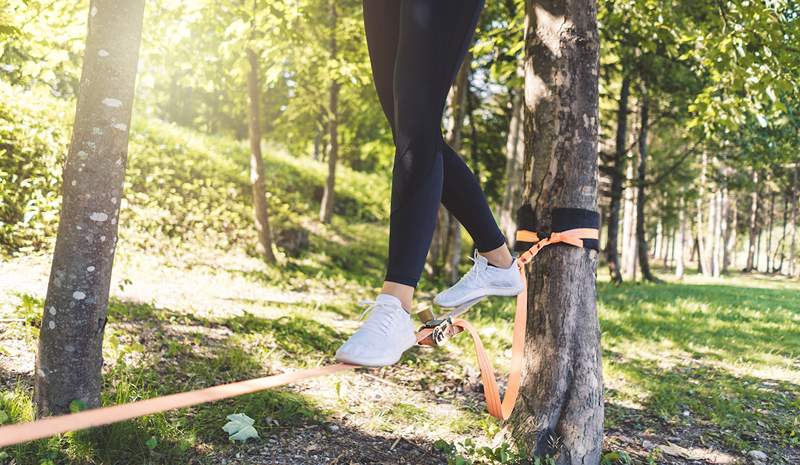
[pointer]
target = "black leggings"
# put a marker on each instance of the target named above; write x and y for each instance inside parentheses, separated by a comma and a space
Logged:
(416, 48)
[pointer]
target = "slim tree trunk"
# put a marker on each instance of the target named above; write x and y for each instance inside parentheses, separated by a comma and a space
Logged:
(793, 268)
(751, 247)
(560, 410)
(612, 227)
(730, 240)
(641, 239)
(328, 196)
(515, 153)
(659, 243)
(702, 254)
(718, 244)
(782, 242)
(629, 226)
(260, 203)
(445, 251)
(769, 231)
(70, 359)
(681, 252)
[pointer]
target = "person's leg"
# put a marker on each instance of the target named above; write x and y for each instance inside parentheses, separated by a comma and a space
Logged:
(430, 45)
(382, 28)
(434, 37)
(463, 197)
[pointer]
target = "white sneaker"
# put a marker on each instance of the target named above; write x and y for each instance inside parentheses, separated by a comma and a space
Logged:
(382, 339)
(482, 280)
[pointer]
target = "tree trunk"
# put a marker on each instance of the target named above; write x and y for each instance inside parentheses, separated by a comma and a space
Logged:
(669, 248)
(769, 232)
(730, 240)
(751, 247)
(560, 410)
(659, 243)
(782, 242)
(718, 244)
(328, 197)
(629, 226)
(260, 203)
(615, 196)
(680, 252)
(445, 251)
(69, 360)
(515, 153)
(641, 239)
(702, 254)
(793, 268)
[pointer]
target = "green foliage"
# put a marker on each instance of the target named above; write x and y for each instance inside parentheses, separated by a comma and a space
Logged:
(32, 148)
(181, 188)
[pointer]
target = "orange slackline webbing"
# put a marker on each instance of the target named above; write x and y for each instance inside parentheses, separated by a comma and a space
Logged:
(502, 409)
(46, 427)
(23, 432)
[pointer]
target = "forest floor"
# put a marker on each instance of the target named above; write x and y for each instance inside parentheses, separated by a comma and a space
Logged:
(696, 372)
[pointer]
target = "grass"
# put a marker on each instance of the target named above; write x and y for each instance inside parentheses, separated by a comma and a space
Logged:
(715, 361)
(710, 364)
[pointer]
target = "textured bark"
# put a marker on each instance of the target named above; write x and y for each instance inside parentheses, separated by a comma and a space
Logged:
(69, 360)
(560, 409)
(615, 196)
(329, 195)
(515, 153)
(641, 198)
(257, 181)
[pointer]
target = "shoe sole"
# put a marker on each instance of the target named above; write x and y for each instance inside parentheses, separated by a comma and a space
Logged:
(477, 296)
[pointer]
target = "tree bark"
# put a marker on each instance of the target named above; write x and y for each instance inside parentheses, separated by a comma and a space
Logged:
(69, 360)
(329, 195)
(617, 173)
(560, 409)
(257, 180)
(641, 198)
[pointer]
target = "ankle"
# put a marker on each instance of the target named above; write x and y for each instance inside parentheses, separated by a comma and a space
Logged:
(501, 261)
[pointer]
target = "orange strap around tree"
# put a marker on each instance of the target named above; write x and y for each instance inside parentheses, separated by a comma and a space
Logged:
(46, 427)
(498, 408)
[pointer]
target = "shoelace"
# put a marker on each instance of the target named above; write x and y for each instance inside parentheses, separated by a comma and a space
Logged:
(476, 272)
(386, 323)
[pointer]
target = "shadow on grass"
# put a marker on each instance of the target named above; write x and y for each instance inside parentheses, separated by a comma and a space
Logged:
(154, 351)
(738, 412)
(734, 322)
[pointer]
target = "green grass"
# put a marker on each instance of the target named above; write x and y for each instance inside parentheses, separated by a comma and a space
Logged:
(715, 361)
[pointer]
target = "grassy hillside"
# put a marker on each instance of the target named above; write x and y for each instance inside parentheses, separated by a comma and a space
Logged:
(183, 188)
